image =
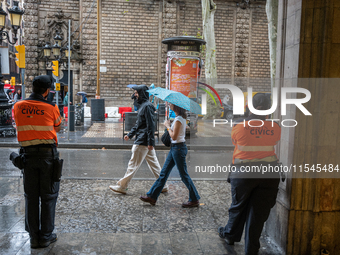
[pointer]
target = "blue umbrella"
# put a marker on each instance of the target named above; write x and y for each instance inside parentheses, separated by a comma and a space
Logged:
(176, 98)
(131, 86)
(81, 93)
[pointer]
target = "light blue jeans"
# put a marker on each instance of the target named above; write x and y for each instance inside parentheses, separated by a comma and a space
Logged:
(176, 157)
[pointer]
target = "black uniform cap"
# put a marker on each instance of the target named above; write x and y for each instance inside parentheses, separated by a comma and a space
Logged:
(43, 81)
(262, 100)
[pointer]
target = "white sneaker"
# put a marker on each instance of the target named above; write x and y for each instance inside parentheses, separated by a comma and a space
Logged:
(164, 190)
(119, 189)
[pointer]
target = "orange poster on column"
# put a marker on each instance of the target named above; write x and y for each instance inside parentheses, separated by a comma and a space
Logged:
(183, 71)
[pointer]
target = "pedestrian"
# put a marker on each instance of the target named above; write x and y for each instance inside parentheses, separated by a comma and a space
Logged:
(143, 147)
(65, 101)
(10, 95)
(135, 102)
(38, 122)
(84, 100)
(254, 194)
(17, 96)
(176, 156)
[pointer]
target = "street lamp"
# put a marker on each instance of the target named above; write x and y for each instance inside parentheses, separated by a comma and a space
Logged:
(56, 52)
(58, 39)
(6, 128)
(47, 50)
(68, 52)
(3, 15)
(16, 17)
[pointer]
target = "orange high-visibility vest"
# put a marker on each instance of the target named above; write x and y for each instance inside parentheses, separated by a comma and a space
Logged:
(255, 142)
(35, 120)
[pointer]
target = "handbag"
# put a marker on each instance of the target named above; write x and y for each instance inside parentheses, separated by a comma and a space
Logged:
(166, 139)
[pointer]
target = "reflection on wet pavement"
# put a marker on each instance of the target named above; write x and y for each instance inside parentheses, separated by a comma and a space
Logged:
(110, 132)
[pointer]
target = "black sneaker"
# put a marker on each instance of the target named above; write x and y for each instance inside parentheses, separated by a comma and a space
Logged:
(34, 243)
(222, 235)
(229, 241)
(221, 232)
(46, 243)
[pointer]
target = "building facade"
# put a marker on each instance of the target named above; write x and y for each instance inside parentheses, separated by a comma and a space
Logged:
(13, 68)
(130, 40)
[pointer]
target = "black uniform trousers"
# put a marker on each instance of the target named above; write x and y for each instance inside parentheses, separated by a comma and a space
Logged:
(252, 199)
(39, 185)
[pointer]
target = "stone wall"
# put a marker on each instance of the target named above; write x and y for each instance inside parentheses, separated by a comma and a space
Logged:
(129, 46)
(42, 20)
(224, 37)
(31, 40)
(88, 72)
(259, 61)
(131, 34)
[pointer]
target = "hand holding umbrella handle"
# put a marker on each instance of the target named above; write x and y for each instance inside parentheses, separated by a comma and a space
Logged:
(167, 123)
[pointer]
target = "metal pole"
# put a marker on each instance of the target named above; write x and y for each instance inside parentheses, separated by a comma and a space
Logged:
(98, 49)
(56, 91)
(23, 95)
(69, 73)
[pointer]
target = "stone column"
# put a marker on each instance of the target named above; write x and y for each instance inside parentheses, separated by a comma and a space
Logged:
(31, 41)
(306, 219)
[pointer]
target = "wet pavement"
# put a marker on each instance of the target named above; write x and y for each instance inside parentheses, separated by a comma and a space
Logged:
(109, 134)
(91, 219)
(112, 164)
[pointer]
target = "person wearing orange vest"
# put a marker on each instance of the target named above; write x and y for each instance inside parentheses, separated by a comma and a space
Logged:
(253, 193)
(38, 122)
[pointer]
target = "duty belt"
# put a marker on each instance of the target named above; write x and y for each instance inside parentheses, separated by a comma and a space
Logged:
(37, 149)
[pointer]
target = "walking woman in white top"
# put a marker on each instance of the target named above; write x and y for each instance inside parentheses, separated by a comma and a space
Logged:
(176, 156)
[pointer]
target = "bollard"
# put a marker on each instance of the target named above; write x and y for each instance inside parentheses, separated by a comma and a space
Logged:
(71, 117)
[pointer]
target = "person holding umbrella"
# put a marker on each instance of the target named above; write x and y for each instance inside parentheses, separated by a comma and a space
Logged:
(84, 100)
(83, 97)
(177, 154)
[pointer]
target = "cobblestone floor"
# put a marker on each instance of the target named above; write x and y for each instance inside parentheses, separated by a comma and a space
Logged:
(91, 219)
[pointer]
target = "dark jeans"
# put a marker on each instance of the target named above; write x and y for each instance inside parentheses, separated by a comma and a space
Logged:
(38, 184)
(176, 157)
(252, 200)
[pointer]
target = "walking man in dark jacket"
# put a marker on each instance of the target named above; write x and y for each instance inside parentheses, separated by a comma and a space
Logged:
(143, 147)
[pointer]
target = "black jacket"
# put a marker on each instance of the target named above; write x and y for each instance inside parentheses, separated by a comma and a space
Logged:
(145, 124)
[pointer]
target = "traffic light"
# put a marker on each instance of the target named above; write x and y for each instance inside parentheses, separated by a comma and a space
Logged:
(12, 81)
(20, 56)
(55, 68)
